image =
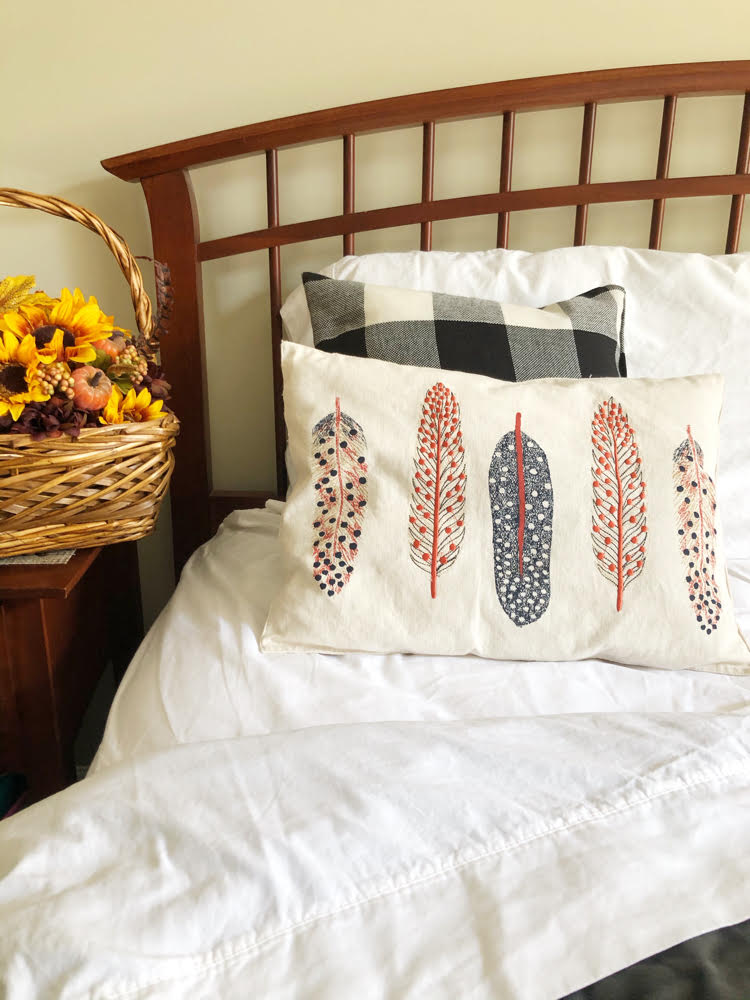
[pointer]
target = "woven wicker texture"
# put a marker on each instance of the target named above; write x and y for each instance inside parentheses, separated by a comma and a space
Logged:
(107, 485)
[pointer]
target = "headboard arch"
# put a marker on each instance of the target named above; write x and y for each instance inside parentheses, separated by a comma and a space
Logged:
(162, 171)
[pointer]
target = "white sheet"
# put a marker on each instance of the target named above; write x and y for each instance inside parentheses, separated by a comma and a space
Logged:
(400, 827)
(509, 858)
(200, 676)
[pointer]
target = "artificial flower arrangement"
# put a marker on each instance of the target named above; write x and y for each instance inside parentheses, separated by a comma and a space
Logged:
(64, 365)
(86, 438)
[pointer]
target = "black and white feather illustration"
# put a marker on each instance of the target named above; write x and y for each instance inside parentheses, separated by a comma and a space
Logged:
(521, 502)
(340, 469)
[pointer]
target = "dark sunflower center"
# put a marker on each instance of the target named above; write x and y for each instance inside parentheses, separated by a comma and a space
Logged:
(44, 334)
(12, 379)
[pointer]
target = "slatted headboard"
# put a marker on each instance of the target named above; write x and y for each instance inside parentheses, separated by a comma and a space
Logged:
(163, 173)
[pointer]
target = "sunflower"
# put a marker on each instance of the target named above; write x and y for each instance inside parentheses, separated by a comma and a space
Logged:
(20, 382)
(54, 342)
(132, 407)
(84, 320)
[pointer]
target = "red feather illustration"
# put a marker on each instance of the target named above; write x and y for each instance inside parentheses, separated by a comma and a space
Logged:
(696, 526)
(436, 510)
(338, 444)
(618, 529)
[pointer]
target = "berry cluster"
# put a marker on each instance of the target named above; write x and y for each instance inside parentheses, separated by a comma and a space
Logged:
(136, 364)
(56, 379)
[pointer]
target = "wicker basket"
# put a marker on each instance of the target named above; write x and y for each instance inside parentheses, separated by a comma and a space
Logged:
(108, 484)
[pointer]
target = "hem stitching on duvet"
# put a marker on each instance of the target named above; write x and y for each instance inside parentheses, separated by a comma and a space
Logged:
(238, 950)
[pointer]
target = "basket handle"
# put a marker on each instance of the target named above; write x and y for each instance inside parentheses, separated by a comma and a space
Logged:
(120, 250)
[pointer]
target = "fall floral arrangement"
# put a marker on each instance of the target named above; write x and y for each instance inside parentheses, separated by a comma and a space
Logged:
(64, 365)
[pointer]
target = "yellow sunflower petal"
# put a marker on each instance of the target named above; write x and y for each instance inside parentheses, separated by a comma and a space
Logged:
(14, 323)
(8, 344)
(53, 349)
(112, 413)
(62, 311)
(154, 410)
(82, 354)
(26, 352)
(129, 401)
(16, 409)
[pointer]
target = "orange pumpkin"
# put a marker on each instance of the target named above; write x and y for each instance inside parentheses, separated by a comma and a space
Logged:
(91, 388)
(113, 346)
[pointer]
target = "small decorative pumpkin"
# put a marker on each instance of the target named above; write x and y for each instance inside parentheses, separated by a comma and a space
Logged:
(91, 388)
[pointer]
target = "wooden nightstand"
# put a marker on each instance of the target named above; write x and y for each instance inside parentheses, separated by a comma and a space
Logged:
(59, 627)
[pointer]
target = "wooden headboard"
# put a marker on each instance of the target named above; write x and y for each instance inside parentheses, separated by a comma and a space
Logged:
(163, 173)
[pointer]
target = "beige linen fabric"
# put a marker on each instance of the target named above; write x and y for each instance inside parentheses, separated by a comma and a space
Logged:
(386, 605)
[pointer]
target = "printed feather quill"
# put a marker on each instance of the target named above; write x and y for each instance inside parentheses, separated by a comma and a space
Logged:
(618, 527)
(340, 467)
(521, 501)
(436, 509)
(695, 497)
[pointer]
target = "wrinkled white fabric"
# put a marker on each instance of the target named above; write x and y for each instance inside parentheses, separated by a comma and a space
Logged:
(199, 674)
(686, 314)
(400, 827)
(515, 858)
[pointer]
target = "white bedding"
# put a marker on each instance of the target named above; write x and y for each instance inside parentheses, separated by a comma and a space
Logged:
(199, 674)
(328, 827)
(399, 827)
(506, 858)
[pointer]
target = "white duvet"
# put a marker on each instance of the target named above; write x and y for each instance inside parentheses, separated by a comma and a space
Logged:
(314, 826)
(199, 674)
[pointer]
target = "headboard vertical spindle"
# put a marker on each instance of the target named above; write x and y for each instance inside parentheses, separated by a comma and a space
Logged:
(506, 173)
(662, 169)
(428, 180)
(743, 167)
(348, 189)
(584, 170)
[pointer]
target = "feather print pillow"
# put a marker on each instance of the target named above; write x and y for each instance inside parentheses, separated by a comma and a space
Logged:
(447, 513)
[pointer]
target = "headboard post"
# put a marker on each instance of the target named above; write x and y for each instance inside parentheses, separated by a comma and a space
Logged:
(274, 281)
(174, 225)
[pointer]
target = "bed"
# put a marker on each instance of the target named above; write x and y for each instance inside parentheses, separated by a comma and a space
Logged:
(315, 825)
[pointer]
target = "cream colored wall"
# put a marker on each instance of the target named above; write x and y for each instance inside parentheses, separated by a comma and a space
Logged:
(82, 80)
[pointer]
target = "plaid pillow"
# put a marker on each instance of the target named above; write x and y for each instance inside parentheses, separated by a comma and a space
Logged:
(578, 338)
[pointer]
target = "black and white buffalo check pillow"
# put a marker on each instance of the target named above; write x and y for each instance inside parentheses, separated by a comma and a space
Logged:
(578, 338)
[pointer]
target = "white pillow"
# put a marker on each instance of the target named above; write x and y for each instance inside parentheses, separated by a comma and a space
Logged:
(686, 314)
(555, 519)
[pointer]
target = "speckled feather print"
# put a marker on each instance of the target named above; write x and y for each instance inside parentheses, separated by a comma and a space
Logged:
(522, 505)
(340, 473)
(695, 505)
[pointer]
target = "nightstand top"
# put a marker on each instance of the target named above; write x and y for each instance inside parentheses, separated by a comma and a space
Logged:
(28, 582)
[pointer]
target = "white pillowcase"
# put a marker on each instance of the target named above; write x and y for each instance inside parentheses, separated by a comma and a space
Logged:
(445, 513)
(686, 314)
